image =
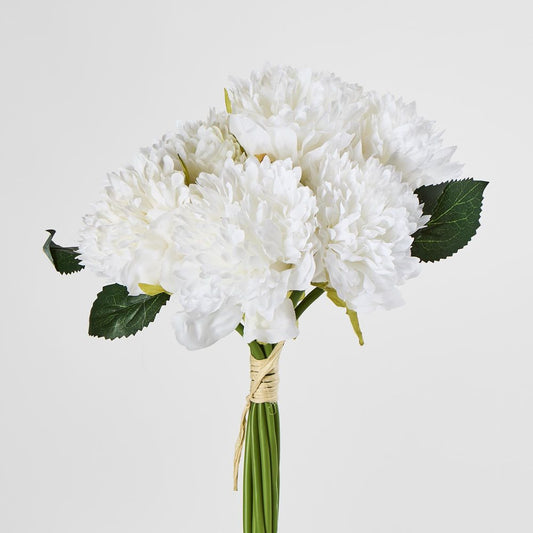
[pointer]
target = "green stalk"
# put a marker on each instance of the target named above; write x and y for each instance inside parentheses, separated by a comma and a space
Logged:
(255, 347)
(262, 445)
(247, 506)
(261, 469)
(271, 416)
(276, 426)
(308, 300)
(266, 472)
(260, 484)
(257, 482)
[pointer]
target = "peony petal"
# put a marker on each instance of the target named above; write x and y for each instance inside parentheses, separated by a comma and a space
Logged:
(199, 332)
(282, 327)
(252, 137)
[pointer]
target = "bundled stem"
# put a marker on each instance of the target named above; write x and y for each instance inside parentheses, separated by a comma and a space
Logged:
(261, 470)
(262, 446)
(261, 463)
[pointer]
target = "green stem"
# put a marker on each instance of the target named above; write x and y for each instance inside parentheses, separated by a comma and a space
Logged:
(271, 412)
(308, 300)
(247, 486)
(261, 469)
(261, 459)
(276, 426)
(266, 473)
(267, 348)
(255, 347)
(258, 513)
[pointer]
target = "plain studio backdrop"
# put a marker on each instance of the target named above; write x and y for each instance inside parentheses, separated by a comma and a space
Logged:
(427, 428)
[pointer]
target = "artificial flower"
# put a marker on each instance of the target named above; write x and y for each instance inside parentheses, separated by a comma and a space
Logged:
(295, 113)
(129, 231)
(393, 132)
(246, 240)
(366, 218)
(201, 146)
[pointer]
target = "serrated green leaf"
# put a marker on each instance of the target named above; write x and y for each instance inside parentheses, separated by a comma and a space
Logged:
(352, 315)
(227, 101)
(116, 314)
(64, 259)
(429, 196)
(454, 219)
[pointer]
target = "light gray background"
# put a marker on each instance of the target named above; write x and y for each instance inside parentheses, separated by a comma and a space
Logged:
(425, 429)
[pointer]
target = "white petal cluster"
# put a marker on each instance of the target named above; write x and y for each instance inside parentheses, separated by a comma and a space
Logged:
(299, 114)
(392, 131)
(204, 146)
(246, 239)
(199, 146)
(127, 236)
(366, 218)
(309, 180)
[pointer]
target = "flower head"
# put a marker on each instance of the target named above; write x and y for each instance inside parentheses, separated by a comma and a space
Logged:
(394, 133)
(198, 146)
(247, 239)
(128, 233)
(294, 113)
(366, 217)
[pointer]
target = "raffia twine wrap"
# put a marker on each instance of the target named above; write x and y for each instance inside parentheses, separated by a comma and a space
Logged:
(264, 380)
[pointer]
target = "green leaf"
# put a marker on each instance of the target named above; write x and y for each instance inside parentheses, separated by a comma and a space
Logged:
(64, 259)
(352, 315)
(116, 314)
(429, 196)
(455, 208)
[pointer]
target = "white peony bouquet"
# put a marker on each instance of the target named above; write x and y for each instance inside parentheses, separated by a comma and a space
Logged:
(305, 185)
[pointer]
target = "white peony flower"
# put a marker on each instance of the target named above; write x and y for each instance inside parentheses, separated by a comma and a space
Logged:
(366, 218)
(295, 113)
(127, 238)
(202, 146)
(287, 112)
(393, 132)
(247, 239)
